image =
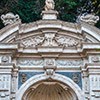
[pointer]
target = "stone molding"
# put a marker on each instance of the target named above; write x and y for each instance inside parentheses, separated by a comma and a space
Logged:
(49, 62)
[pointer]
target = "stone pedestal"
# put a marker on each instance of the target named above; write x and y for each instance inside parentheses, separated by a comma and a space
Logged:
(49, 15)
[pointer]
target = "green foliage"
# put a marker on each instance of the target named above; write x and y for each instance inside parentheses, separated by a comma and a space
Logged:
(67, 9)
(30, 10)
(96, 4)
(26, 10)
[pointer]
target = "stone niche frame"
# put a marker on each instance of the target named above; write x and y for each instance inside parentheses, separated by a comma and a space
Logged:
(42, 77)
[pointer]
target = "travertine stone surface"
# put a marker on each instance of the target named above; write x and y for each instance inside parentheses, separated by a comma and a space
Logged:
(62, 55)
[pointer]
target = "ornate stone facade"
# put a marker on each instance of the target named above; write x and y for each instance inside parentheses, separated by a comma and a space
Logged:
(50, 53)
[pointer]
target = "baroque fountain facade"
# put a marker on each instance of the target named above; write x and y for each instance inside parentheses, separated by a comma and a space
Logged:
(49, 59)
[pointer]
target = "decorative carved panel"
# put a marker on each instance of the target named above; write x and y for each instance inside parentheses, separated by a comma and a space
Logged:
(49, 39)
(30, 62)
(4, 82)
(49, 62)
(72, 62)
(32, 41)
(5, 87)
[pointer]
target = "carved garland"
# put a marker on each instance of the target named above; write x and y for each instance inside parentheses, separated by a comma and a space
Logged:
(49, 62)
(29, 62)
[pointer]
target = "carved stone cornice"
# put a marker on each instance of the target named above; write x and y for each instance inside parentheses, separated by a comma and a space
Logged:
(93, 68)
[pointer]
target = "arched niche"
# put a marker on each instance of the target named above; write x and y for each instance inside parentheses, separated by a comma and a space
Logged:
(49, 90)
(62, 83)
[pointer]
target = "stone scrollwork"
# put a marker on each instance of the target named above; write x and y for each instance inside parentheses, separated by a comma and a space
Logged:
(32, 41)
(66, 41)
(10, 18)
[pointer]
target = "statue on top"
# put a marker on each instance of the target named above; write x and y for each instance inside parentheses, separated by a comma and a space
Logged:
(49, 5)
(89, 18)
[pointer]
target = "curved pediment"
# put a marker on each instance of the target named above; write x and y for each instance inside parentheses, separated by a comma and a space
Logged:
(50, 33)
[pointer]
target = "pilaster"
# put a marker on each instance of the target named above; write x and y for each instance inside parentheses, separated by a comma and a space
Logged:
(5, 81)
(94, 80)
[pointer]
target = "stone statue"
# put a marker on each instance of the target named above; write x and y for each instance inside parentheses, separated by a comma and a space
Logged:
(89, 18)
(49, 5)
(10, 18)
